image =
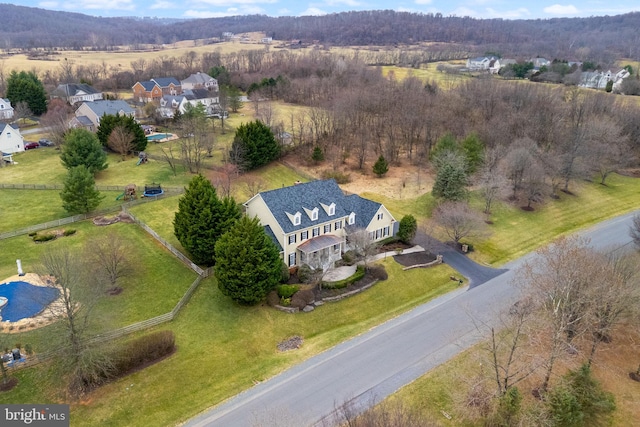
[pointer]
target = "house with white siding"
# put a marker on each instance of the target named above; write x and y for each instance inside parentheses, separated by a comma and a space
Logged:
(312, 221)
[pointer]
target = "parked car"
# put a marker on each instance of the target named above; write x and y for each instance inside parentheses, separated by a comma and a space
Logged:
(45, 143)
(30, 144)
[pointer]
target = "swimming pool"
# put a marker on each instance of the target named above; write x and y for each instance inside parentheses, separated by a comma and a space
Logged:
(25, 300)
(159, 136)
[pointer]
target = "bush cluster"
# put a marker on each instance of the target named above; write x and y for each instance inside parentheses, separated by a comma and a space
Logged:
(287, 291)
(340, 177)
(143, 350)
(378, 272)
(69, 232)
(43, 237)
(359, 274)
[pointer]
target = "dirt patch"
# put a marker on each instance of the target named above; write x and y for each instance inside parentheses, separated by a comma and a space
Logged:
(415, 258)
(292, 343)
(9, 385)
(389, 247)
(121, 217)
(402, 181)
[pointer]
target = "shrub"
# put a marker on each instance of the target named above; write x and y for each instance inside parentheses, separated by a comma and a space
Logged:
(143, 350)
(305, 273)
(349, 258)
(407, 228)
(43, 237)
(378, 272)
(302, 298)
(273, 299)
(285, 302)
(69, 232)
(287, 291)
(359, 274)
(340, 177)
(286, 274)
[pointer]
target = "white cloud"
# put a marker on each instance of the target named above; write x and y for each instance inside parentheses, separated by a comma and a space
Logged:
(48, 4)
(161, 4)
(231, 11)
(352, 3)
(231, 2)
(422, 2)
(313, 11)
(558, 9)
(520, 13)
(99, 5)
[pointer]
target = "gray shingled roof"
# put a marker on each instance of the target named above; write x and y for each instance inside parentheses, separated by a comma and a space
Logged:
(309, 195)
(102, 107)
(148, 85)
(199, 78)
(4, 125)
(72, 89)
(166, 81)
(269, 232)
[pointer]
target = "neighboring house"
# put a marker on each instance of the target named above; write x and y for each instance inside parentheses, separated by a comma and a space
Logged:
(480, 63)
(593, 79)
(169, 104)
(199, 81)
(154, 89)
(6, 110)
(73, 93)
(11, 141)
(310, 222)
(540, 62)
(89, 113)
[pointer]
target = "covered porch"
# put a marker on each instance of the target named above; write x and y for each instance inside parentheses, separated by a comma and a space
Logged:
(321, 251)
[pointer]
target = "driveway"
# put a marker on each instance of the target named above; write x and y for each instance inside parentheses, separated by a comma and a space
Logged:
(475, 273)
(366, 369)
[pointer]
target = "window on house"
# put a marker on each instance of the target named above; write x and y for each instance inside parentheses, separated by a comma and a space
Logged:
(304, 235)
(336, 247)
(297, 218)
(314, 214)
(316, 231)
(385, 231)
(332, 209)
(352, 218)
(292, 259)
(292, 238)
(327, 228)
(380, 216)
(378, 233)
(337, 225)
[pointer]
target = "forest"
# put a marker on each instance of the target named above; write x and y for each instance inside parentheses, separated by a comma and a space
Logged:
(601, 39)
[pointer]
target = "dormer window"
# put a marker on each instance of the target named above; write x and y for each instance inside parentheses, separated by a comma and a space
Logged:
(297, 218)
(352, 218)
(332, 209)
(314, 214)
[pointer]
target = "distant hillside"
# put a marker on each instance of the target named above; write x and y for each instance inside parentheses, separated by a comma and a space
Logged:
(597, 38)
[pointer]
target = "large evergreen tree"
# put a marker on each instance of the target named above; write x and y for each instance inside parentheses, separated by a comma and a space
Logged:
(254, 146)
(202, 218)
(109, 122)
(26, 87)
(451, 177)
(79, 194)
(248, 264)
(381, 167)
(81, 147)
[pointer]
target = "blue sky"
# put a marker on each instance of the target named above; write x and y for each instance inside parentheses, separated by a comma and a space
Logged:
(506, 9)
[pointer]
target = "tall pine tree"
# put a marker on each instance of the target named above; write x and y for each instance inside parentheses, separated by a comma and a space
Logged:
(254, 146)
(248, 264)
(109, 122)
(79, 194)
(26, 87)
(81, 147)
(202, 218)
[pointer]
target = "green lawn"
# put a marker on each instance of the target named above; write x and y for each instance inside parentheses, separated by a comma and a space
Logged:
(156, 284)
(224, 348)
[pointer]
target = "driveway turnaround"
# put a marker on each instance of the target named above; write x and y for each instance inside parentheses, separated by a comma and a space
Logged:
(368, 368)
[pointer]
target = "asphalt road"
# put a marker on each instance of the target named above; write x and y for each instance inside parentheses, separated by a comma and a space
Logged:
(366, 369)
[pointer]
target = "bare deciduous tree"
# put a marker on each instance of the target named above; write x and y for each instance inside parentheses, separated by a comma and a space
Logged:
(121, 141)
(22, 111)
(56, 120)
(360, 241)
(109, 255)
(458, 221)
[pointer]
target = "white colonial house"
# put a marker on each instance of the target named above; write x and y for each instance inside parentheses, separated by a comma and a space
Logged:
(11, 141)
(200, 81)
(74, 93)
(311, 221)
(89, 113)
(6, 110)
(169, 104)
(480, 63)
